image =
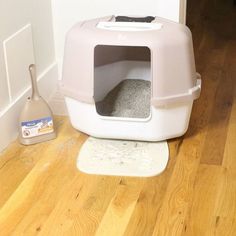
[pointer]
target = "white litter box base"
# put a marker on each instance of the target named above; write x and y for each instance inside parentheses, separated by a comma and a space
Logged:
(163, 123)
(123, 158)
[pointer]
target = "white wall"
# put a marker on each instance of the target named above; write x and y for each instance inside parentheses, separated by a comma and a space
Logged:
(68, 12)
(26, 36)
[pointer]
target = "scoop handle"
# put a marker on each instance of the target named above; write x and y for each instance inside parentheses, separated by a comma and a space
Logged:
(35, 93)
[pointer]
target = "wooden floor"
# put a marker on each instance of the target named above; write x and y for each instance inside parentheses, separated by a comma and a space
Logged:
(42, 192)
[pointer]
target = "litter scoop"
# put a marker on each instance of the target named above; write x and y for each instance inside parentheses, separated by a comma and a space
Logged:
(36, 119)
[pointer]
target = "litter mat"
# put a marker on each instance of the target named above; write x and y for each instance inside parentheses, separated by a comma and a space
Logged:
(123, 158)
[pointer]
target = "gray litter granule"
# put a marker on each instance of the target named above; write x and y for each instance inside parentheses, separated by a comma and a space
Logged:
(130, 98)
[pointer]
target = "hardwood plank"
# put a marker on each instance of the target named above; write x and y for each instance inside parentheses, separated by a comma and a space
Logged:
(225, 226)
(37, 194)
(17, 161)
(175, 204)
(121, 206)
(213, 149)
(202, 215)
(227, 205)
(82, 207)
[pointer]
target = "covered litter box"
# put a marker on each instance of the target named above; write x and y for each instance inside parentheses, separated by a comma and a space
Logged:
(130, 78)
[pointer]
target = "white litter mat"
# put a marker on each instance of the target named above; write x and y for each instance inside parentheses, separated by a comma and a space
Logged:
(123, 158)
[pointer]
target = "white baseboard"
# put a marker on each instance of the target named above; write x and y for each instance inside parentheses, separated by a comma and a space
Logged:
(47, 82)
(57, 104)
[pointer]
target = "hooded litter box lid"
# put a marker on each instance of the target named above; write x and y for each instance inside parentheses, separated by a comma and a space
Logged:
(173, 72)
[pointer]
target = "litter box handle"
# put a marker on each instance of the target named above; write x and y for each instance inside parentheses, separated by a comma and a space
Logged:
(128, 26)
(192, 94)
(196, 90)
(147, 19)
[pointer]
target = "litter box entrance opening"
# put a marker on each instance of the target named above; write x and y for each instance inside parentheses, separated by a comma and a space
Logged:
(122, 81)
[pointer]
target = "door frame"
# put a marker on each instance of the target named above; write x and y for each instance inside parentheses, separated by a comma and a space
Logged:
(182, 11)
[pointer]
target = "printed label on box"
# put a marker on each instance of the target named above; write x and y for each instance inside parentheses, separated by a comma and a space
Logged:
(37, 127)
